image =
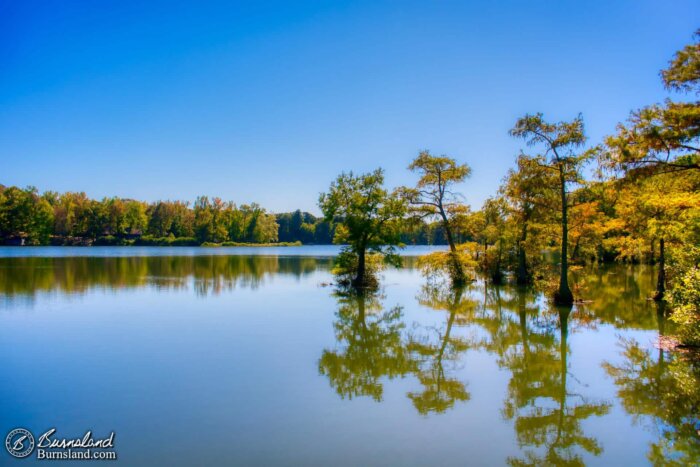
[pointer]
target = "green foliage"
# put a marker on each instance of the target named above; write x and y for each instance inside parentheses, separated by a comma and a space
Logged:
(370, 217)
(685, 298)
(685, 295)
(441, 264)
(345, 267)
(167, 218)
(683, 72)
(74, 219)
(561, 142)
(211, 244)
(25, 216)
(662, 137)
(304, 227)
(529, 194)
(147, 240)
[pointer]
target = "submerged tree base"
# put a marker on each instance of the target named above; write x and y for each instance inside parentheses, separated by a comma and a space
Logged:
(658, 296)
(564, 297)
(346, 270)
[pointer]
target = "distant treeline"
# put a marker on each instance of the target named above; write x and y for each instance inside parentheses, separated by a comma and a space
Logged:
(28, 217)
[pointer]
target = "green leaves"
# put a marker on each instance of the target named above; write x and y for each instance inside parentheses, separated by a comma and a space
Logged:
(662, 137)
(683, 72)
(559, 139)
(369, 217)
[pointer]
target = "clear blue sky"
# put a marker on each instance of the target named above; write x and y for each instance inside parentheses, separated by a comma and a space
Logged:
(268, 102)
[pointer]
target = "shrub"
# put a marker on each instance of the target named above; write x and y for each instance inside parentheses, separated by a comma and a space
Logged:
(685, 300)
(148, 240)
(441, 264)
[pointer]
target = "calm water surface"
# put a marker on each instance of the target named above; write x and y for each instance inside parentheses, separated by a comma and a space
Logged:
(245, 357)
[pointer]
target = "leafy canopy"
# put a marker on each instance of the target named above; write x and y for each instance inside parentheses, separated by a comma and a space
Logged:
(369, 215)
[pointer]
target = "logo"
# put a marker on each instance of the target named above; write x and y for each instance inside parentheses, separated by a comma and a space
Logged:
(19, 442)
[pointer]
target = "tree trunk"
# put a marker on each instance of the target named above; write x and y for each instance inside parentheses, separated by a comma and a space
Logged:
(661, 278)
(564, 295)
(448, 234)
(497, 273)
(522, 275)
(360, 279)
(564, 323)
(458, 276)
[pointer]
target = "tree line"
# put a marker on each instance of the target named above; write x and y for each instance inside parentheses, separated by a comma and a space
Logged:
(28, 217)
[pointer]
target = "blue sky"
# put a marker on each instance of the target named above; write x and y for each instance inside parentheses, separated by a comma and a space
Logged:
(268, 102)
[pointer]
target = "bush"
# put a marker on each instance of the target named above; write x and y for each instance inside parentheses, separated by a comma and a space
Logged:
(685, 300)
(211, 244)
(111, 240)
(148, 240)
(441, 264)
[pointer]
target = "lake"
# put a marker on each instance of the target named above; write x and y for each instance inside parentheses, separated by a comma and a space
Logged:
(245, 356)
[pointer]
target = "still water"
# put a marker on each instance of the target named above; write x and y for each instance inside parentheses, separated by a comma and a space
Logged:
(247, 357)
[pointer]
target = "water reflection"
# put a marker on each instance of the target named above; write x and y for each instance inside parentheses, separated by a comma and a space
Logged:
(617, 295)
(373, 343)
(547, 412)
(529, 339)
(29, 276)
(370, 347)
(437, 351)
(663, 391)
(491, 358)
(547, 404)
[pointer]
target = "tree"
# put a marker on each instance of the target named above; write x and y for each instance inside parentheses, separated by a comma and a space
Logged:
(663, 137)
(663, 208)
(161, 219)
(495, 233)
(560, 142)
(433, 197)
(370, 217)
(265, 230)
(24, 215)
(685, 297)
(528, 190)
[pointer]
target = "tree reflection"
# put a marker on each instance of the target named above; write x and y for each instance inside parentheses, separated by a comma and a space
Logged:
(547, 414)
(437, 349)
(27, 277)
(527, 337)
(371, 347)
(663, 389)
(618, 295)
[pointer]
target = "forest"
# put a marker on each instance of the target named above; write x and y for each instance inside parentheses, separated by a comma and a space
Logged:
(28, 217)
